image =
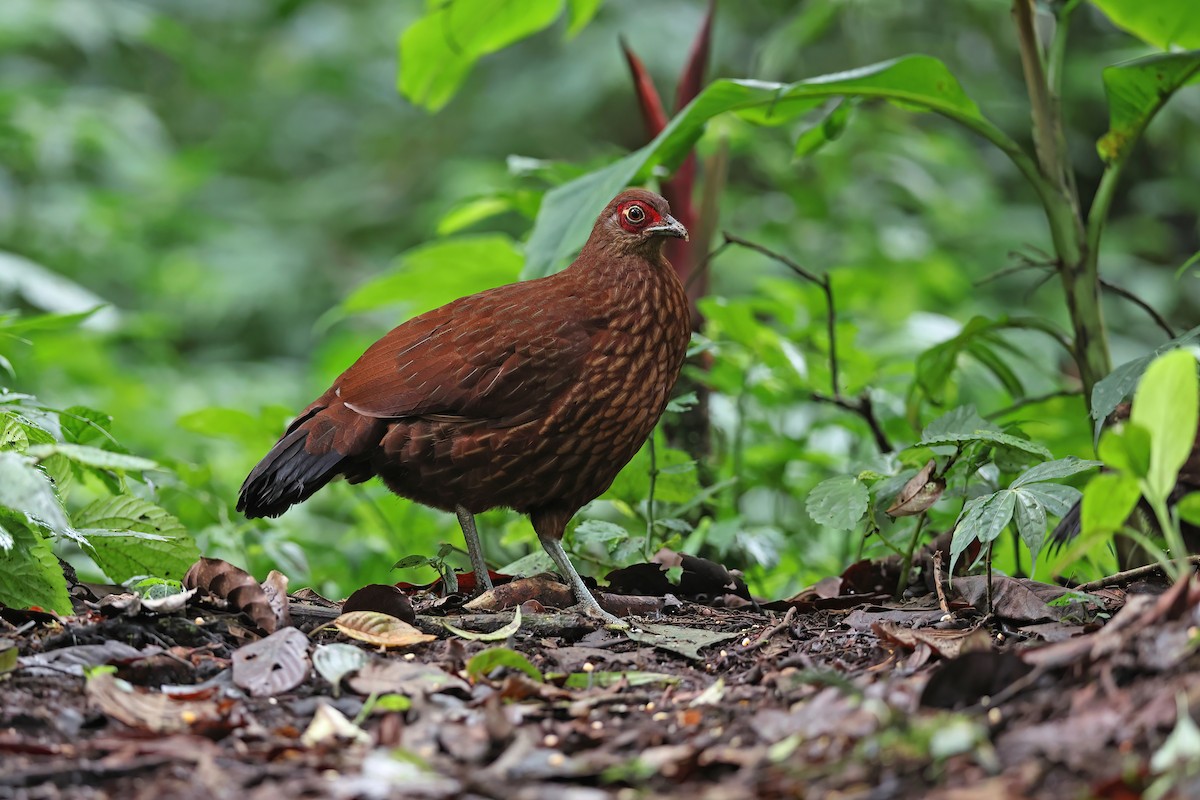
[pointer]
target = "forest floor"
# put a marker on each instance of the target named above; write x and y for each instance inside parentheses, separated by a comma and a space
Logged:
(838, 692)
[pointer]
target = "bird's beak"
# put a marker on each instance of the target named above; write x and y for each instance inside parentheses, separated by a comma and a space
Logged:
(669, 227)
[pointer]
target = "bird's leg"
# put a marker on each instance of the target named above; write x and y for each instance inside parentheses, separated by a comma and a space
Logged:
(587, 603)
(466, 521)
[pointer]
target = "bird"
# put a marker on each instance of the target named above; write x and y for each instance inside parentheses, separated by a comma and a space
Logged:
(530, 396)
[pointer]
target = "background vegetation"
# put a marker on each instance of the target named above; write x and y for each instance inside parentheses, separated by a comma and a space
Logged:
(252, 202)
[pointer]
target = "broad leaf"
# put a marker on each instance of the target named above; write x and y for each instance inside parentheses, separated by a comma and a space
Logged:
(1189, 508)
(438, 50)
(25, 488)
(130, 537)
(1162, 23)
(916, 81)
(964, 419)
(1108, 500)
(838, 502)
(990, 437)
(92, 457)
(1167, 404)
(1030, 516)
(1116, 386)
(1055, 470)
(982, 520)
(32, 575)
(1137, 90)
(1055, 497)
(580, 13)
(1126, 449)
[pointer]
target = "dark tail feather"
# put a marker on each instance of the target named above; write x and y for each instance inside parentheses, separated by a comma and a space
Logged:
(287, 475)
(1067, 529)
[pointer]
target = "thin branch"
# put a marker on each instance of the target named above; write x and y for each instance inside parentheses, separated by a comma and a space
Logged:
(860, 405)
(1140, 303)
(1044, 127)
(1129, 575)
(1032, 401)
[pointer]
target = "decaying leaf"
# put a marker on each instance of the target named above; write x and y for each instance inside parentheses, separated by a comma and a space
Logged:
(679, 639)
(226, 582)
(379, 676)
(918, 494)
(330, 725)
(150, 711)
(275, 588)
(272, 665)
(72, 660)
(382, 630)
(946, 643)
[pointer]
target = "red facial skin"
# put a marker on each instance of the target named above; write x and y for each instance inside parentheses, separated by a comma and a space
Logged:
(636, 225)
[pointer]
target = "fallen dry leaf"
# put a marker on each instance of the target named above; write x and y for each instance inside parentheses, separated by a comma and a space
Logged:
(946, 643)
(271, 666)
(139, 708)
(224, 581)
(382, 630)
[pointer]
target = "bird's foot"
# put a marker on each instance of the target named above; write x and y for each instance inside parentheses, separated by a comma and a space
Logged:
(593, 610)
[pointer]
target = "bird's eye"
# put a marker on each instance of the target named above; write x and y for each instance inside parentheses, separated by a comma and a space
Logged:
(635, 214)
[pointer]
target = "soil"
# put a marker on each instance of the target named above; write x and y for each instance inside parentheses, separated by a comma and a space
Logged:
(839, 692)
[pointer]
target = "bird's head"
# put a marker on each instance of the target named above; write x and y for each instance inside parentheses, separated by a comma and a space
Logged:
(637, 221)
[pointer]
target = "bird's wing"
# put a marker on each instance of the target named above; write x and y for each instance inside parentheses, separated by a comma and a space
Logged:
(502, 355)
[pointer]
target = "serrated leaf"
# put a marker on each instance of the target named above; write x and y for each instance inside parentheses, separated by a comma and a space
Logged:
(483, 662)
(81, 424)
(1055, 470)
(1057, 498)
(838, 502)
(129, 537)
(990, 437)
(1108, 500)
(982, 520)
(598, 531)
(91, 457)
(32, 575)
(1167, 404)
(1030, 516)
(25, 488)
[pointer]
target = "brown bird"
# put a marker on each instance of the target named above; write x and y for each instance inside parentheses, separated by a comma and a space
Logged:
(530, 396)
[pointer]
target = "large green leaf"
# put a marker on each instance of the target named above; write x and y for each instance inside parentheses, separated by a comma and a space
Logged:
(92, 457)
(1108, 500)
(1162, 23)
(838, 502)
(1117, 385)
(26, 489)
(130, 537)
(917, 82)
(438, 50)
(433, 274)
(1167, 405)
(580, 12)
(31, 574)
(1137, 90)
(1055, 470)
(982, 520)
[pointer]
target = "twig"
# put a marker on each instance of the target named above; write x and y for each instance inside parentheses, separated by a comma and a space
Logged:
(1044, 112)
(767, 634)
(862, 404)
(1129, 575)
(937, 582)
(1140, 303)
(1031, 401)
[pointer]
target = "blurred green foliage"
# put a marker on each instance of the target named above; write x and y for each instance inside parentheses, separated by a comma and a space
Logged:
(246, 189)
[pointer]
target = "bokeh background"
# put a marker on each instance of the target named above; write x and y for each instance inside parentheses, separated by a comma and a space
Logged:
(225, 174)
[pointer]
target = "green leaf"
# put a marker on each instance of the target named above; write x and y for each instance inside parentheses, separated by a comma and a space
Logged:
(1108, 500)
(580, 12)
(1167, 404)
(130, 537)
(1189, 508)
(603, 679)
(434, 274)
(827, 128)
(991, 437)
(982, 520)
(1117, 385)
(1055, 470)
(25, 488)
(483, 662)
(598, 531)
(964, 419)
(438, 50)
(1126, 449)
(1056, 498)
(568, 211)
(91, 457)
(227, 423)
(81, 424)
(838, 502)
(32, 575)
(1162, 23)
(1137, 90)
(1030, 516)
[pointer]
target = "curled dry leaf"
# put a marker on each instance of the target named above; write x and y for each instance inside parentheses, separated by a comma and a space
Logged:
(150, 711)
(272, 665)
(233, 584)
(946, 643)
(382, 630)
(275, 588)
(330, 725)
(498, 635)
(918, 494)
